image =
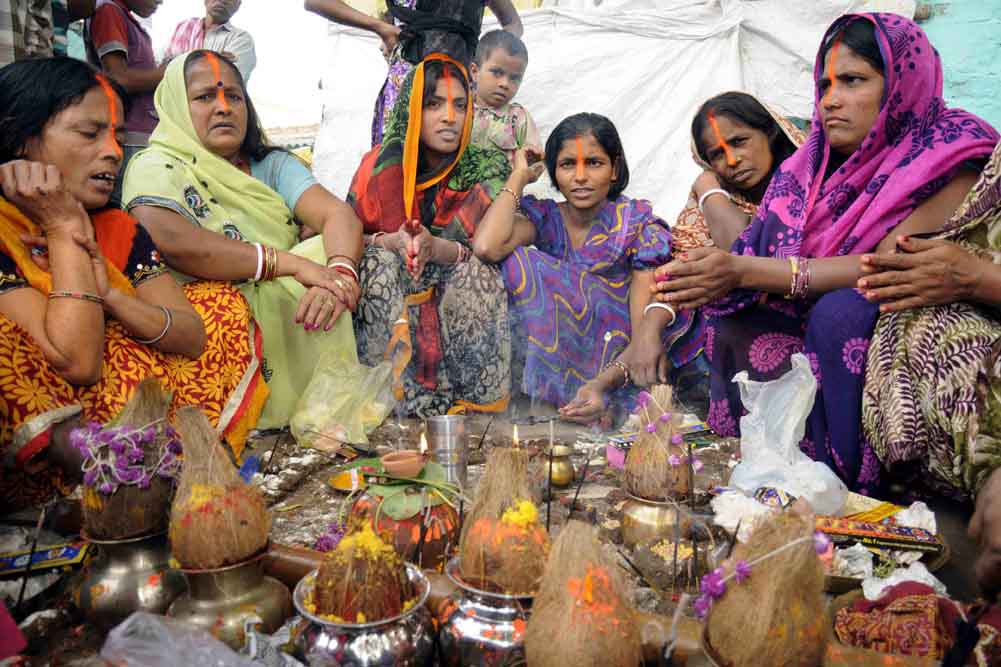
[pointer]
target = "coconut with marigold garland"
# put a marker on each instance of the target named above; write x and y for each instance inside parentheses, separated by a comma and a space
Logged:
(503, 547)
(363, 580)
(765, 606)
(580, 616)
(216, 518)
(657, 465)
(130, 467)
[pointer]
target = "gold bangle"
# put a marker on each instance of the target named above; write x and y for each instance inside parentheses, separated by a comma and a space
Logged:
(83, 296)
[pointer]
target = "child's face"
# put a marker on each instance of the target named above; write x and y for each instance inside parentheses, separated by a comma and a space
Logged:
(144, 8)
(584, 172)
(441, 131)
(498, 79)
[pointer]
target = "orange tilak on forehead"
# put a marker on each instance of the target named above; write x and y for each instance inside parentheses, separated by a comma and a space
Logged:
(217, 73)
(831, 76)
(580, 157)
(722, 142)
(109, 93)
(448, 94)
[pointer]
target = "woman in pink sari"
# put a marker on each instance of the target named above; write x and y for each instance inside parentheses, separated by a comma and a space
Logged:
(885, 158)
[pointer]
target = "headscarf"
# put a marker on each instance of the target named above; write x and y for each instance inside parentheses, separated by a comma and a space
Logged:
(387, 190)
(913, 150)
(113, 229)
(179, 173)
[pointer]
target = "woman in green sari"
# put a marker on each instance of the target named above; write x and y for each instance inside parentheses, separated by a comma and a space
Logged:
(932, 402)
(223, 205)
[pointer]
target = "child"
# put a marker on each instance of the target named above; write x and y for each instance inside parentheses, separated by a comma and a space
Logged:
(501, 60)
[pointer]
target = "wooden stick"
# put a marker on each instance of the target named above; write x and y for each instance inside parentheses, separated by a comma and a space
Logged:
(691, 477)
(31, 556)
(549, 489)
(677, 540)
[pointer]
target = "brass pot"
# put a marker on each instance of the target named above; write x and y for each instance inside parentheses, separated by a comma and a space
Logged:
(563, 473)
(224, 601)
(126, 576)
(644, 520)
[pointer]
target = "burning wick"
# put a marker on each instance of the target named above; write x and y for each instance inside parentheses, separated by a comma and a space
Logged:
(514, 436)
(109, 92)
(448, 93)
(424, 444)
(730, 160)
(580, 159)
(830, 70)
(217, 73)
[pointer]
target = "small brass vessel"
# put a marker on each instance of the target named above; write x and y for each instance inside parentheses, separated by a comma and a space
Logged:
(644, 520)
(563, 472)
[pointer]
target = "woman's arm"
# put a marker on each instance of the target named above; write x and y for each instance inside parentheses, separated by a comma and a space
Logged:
(645, 354)
(507, 15)
(341, 12)
(726, 222)
(502, 228)
(143, 318)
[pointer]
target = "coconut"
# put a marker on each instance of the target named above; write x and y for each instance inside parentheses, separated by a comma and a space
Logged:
(216, 518)
(503, 547)
(362, 580)
(657, 463)
(580, 616)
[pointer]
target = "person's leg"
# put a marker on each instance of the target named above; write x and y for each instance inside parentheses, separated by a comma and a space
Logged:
(837, 343)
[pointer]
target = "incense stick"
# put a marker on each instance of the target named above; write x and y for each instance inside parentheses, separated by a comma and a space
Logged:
(583, 477)
(31, 557)
(691, 477)
(677, 540)
(549, 489)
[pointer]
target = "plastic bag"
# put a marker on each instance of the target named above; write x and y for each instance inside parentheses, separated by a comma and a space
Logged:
(343, 403)
(148, 640)
(770, 435)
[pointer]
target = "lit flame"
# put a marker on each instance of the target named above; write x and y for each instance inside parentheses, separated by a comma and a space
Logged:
(424, 444)
(514, 435)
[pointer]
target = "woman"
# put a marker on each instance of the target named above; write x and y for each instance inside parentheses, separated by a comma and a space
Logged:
(885, 158)
(82, 324)
(931, 405)
(223, 205)
(726, 195)
(421, 194)
(581, 296)
(446, 26)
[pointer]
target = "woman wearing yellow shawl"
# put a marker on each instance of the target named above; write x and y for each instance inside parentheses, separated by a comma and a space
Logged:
(222, 205)
(87, 308)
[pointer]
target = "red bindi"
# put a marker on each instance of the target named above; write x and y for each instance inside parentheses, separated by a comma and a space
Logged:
(730, 159)
(580, 158)
(217, 73)
(109, 93)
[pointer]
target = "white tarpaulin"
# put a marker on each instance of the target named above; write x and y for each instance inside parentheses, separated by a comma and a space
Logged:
(646, 64)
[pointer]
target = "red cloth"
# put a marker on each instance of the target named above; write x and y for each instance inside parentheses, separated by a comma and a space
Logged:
(12, 641)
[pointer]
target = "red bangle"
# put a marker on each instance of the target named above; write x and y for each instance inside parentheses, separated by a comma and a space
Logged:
(344, 271)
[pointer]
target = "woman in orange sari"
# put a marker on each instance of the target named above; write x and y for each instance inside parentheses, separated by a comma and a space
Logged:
(87, 308)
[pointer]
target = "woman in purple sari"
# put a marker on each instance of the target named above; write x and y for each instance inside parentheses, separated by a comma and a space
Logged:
(580, 298)
(885, 158)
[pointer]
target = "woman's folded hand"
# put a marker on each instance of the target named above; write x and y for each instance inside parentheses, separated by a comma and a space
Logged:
(696, 277)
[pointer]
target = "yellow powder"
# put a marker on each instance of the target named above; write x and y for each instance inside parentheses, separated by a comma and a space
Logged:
(523, 514)
(367, 543)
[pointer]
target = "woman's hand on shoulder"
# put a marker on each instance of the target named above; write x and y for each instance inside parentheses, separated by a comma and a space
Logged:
(37, 191)
(529, 163)
(926, 273)
(696, 277)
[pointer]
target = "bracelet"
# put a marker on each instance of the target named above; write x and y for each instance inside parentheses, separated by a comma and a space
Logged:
(663, 306)
(803, 284)
(709, 193)
(462, 254)
(347, 268)
(350, 260)
(622, 367)
(794, 279)
(260, 261)
(83, 296)
(270, 263)
(166, 327)
(517, 199)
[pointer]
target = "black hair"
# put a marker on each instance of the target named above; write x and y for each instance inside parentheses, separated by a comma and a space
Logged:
(33, 91)
(860, 36)
(255, 145)
(604, 133)
(747, 110)
(434, 70)
(500, 39)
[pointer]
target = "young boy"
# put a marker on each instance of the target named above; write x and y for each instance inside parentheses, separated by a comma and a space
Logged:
(501, 60)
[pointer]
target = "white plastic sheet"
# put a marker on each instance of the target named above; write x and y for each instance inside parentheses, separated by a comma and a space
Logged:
(646, 64)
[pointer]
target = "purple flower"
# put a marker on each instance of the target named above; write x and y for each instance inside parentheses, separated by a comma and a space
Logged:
(677, 439)
(130, 476)
(674, 460)
(106, 488)
(821, 542)
(643, 399)
(90, 477)
(713, 585)
(174, 446)
(106, 437)
(696, 464)
(702, 605)
(78, 438)
(148, 434)
(651, 427)
(742, 571)
(93, 428)
(117, 446)
(145, 480)
(135, 455)
(666, 417)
